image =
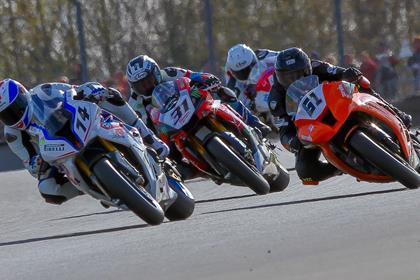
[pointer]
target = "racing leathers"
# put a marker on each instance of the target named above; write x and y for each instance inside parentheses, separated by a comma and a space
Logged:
(245, 90)
(139, 102)
(53, 185)
(308, 165)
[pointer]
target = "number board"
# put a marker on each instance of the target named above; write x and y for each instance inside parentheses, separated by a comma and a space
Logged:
(312, 105)
(181, 113)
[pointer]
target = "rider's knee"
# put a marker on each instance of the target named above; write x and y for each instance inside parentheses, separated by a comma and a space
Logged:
(56, 193)
(54, 199)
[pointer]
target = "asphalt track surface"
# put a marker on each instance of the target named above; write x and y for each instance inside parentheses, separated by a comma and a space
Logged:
(340, 229)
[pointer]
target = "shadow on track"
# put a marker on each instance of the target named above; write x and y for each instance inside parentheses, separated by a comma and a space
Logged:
(224, 198)
(73, 234)
(306, 201)
(88, 215)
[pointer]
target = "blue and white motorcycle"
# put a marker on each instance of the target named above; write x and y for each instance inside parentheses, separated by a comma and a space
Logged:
(105, 158)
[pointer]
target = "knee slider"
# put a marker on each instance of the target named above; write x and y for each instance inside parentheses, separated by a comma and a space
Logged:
(54, 199)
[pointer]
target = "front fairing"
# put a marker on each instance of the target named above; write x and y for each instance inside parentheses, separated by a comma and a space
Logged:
(179, 113)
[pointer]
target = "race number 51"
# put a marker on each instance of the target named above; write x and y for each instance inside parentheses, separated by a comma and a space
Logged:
(310, 103)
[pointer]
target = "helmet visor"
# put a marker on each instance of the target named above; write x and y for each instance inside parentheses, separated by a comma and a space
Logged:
(15, 111)
(243, 74)
(286, 78)
(145, 86)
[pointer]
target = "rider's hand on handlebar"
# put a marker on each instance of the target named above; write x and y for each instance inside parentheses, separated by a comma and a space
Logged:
(352, 74)
(37, 166)
(94, 92)
(293, 144)
(211, 82)
(251, 91)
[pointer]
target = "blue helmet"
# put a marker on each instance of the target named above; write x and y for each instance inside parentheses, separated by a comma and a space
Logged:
(15, 104)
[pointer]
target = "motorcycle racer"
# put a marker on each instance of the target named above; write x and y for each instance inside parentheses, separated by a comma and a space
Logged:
(16, 112)
(291, 65)
(243, 69)
(143, 74)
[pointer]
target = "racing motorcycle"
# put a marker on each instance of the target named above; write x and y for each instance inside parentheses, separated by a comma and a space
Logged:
(213, 138)
(357, 132)
(105, 158)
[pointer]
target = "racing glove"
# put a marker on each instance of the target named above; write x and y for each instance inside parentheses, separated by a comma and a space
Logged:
(151, 139)
(251, 91)
(352, 74)
(93, 91)
(208, 82)
(161, 148)
(292, 144)
(37, 166)
(212, 81)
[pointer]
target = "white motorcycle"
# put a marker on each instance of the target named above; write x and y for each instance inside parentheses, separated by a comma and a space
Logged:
(105, 158)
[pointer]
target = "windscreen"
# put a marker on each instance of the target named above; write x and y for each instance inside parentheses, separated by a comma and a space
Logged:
(164, 95)
(51, 114)
(297, 90)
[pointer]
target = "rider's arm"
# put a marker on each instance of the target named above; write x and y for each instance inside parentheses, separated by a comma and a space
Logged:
(283, 122)
(115, 104)
(174, 73)
(326, 71)
(20, 144)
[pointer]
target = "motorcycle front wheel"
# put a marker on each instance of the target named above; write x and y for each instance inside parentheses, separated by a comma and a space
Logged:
(384, 161)
(137, 199)
(223, 154)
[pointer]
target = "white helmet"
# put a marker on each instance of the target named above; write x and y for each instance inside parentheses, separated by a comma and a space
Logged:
(15, 104)
(240, 60)
(143, 74)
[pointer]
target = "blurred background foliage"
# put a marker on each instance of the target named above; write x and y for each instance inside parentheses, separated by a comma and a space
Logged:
(38, 41)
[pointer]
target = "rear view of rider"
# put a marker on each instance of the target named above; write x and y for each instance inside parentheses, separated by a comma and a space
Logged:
(244, 67)
(291, 65)
(16, 112)
(143, 74)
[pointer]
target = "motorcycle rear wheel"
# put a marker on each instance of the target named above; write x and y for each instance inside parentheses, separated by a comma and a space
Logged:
(218, 149)
(136, 199)
(384, 161)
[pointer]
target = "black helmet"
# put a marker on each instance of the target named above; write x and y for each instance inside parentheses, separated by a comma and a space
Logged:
(291, 65)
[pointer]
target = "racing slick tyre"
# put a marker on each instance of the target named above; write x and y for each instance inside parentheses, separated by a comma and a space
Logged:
(183, 207)
(384, 161)
(234, 164)
(137, 199)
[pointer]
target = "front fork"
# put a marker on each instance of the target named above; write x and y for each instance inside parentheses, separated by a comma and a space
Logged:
(159, 188)
(259, 154)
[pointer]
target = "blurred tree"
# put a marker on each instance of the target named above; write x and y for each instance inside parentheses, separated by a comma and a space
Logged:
(39, 37)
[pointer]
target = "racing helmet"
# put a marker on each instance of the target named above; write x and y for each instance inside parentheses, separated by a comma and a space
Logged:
(143, 74)
(240, 60)
(291, 65)
(15, 104)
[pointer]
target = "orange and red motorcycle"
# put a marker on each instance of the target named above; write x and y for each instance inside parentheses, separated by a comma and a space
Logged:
(357, 132)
